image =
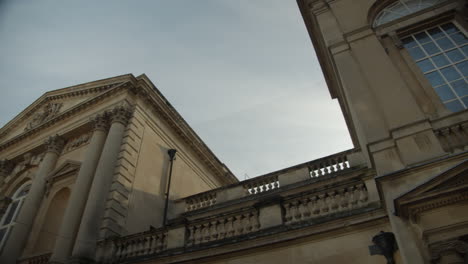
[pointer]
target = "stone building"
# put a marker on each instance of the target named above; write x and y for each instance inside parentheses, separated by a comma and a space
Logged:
(85, 170)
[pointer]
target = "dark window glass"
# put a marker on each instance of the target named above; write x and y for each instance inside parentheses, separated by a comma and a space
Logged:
(454, 106)
(11, 212)
(431, 48)
(450, 73)
(459, 38)
(422, 37)
(463, 67)
(409, 42)
(445, 43)
(440, 60)
(435, 79)
(465, 50)
(436, 33)
(460, 87)
(426, 65)
(416, 53)
(2, 233)
(445, 93)
(465, 100)
(449, 28)
(455, 55)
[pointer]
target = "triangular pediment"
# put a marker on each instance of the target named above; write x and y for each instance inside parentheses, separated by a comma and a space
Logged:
(54, 103)
(448, 187)
(69, 167)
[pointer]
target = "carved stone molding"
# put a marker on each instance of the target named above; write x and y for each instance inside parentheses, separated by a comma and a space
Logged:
(55, 144)
(6, 166)
(440, 249)
(77, 142)
(100, 122)
(120, 114)
(48, 112)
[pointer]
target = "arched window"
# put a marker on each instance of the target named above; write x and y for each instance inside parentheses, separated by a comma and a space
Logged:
(7, 221)
(440, 51)
(403, 8)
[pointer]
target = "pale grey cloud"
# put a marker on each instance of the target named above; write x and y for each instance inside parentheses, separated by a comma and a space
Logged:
(242, 73)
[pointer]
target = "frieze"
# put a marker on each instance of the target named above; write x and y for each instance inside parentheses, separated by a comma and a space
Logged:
(77, 142)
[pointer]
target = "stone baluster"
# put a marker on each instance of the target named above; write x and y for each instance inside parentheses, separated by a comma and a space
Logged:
(79, 195)
(198, 234)
(20, 233)
(230, 227)
(88, 234)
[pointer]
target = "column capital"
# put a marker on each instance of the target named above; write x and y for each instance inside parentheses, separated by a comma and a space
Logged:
(120, 114)
(100, 122)
(6, 166)
(55, 144)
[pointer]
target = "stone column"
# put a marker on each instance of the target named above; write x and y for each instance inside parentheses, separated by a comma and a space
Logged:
(88, 234)
(25, 219)
(73, 212)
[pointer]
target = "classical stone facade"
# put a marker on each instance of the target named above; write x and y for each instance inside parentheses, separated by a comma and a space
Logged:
(85, 169)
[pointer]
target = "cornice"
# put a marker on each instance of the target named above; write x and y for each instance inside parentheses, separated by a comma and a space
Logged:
(68, 92)
(147, 91)
(64, 115)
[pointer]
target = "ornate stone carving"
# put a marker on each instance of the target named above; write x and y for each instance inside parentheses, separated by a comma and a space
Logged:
(77, 142)
(48, 112)
(100, 122)
(55, 144)
(120, 114)
(442, 248)
(6, 166)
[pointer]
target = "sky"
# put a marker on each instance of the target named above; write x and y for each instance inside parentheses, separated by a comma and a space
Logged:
(242, 73)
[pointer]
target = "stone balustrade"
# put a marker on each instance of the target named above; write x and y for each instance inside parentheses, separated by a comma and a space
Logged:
(223, 227)
(39, 259)
(453, 138)
(201, 200)
(261, 184)
(330, 165)
(325, 203)
(146, 243)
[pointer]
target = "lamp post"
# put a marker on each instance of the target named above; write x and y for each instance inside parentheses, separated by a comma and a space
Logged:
(171, 153)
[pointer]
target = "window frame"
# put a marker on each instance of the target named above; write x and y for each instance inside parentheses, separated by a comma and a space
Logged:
(405, 26)
(20, 200)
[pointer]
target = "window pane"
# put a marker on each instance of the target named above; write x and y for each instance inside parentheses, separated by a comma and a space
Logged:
(445, 93)
(416, 53)
(454, 106)
(465, 50)
(450, 73)
(431, 48)
(455, 55)
(3, 233)
(465, 100)
(449, 28)
(463, 67)
(409, 42)
(459, 38)
(435, 79)
(11, 212)
(445, 43)
(425, 65)
(422, 37)
(436, 33)
(460, 87)
(440, 60)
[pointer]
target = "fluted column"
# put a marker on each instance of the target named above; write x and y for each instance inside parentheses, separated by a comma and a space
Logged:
(25, 219)
(88, 234)
(76, 205)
